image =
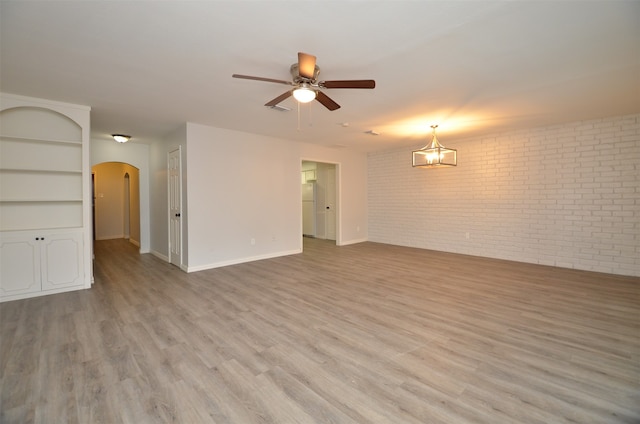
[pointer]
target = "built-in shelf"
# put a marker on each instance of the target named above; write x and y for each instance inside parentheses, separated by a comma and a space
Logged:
(40, 171)
(40, 200)
(39, 140)
(45, 197)
(51, 229)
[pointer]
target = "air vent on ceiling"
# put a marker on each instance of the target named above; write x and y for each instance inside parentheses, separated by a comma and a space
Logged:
(280, 108)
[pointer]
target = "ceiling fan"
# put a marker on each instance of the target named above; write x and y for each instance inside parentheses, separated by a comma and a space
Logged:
(306, 86)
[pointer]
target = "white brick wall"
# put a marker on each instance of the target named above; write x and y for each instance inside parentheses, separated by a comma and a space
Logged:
(567, 196)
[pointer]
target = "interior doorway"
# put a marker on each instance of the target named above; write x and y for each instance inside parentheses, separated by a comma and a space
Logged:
(116, 211)
(319, 200)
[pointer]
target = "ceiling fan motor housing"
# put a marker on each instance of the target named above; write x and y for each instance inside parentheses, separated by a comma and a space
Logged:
(297, 78)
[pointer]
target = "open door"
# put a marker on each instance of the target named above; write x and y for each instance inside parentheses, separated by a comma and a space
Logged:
(175, 207)
(330, 202)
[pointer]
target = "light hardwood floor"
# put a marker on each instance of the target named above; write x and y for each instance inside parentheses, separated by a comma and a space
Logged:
(366, 333)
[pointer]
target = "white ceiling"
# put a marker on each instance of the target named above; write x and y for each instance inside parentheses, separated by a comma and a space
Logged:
(472, 67)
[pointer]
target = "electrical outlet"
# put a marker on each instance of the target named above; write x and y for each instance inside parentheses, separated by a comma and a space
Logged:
(253, 242)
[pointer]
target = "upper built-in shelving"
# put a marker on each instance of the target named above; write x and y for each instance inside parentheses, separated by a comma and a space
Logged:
(39, 140)
(41, 169)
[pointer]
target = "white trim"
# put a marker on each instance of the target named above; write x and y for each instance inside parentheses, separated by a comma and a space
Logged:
(111, 237)
(41, 293)
(159, 255)
(242, 260)
(354, 241)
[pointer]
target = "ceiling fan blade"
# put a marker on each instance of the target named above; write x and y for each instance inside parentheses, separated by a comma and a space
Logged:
(249, 77)
(348, 84)
(306, 65)
(278, 99)
(326, 101)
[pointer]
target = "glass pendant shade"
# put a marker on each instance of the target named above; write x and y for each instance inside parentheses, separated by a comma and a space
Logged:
(304, 94)
(435, 154)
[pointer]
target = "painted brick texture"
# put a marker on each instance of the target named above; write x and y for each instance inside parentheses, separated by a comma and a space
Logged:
(566, 196)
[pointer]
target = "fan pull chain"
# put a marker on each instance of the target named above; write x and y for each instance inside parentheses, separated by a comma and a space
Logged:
(309, 114)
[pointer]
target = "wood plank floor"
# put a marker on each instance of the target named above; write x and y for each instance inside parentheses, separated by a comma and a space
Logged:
(366, 333)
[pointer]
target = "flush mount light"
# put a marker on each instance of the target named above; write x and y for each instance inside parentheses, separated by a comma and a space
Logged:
(304, 93)
(121, 138)
(434, 154)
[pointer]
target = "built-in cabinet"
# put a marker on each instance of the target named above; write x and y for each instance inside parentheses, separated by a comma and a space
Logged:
(40, 261)
(45, 197)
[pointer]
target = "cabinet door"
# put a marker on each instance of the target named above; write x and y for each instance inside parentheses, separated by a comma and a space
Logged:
(62, 264)
(19, 265)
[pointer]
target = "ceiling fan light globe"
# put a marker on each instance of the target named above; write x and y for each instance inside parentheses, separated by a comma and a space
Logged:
(304, 94)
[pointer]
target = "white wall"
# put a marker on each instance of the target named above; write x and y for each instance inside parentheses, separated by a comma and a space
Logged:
(244, 187)
(567, 196)
(241, 187)
(137, 155)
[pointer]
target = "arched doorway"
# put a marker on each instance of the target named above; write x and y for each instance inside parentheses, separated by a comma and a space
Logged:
(117, 201)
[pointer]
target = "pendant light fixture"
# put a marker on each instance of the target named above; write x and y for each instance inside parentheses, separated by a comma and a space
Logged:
(434, 154)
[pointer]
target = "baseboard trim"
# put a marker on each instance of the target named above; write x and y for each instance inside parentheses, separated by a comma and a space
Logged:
(159, 255)
(354, 241)
(241, 260)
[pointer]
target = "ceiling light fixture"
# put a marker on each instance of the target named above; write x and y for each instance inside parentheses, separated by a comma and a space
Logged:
(434, 154)
(304, 93)
(121, 138)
